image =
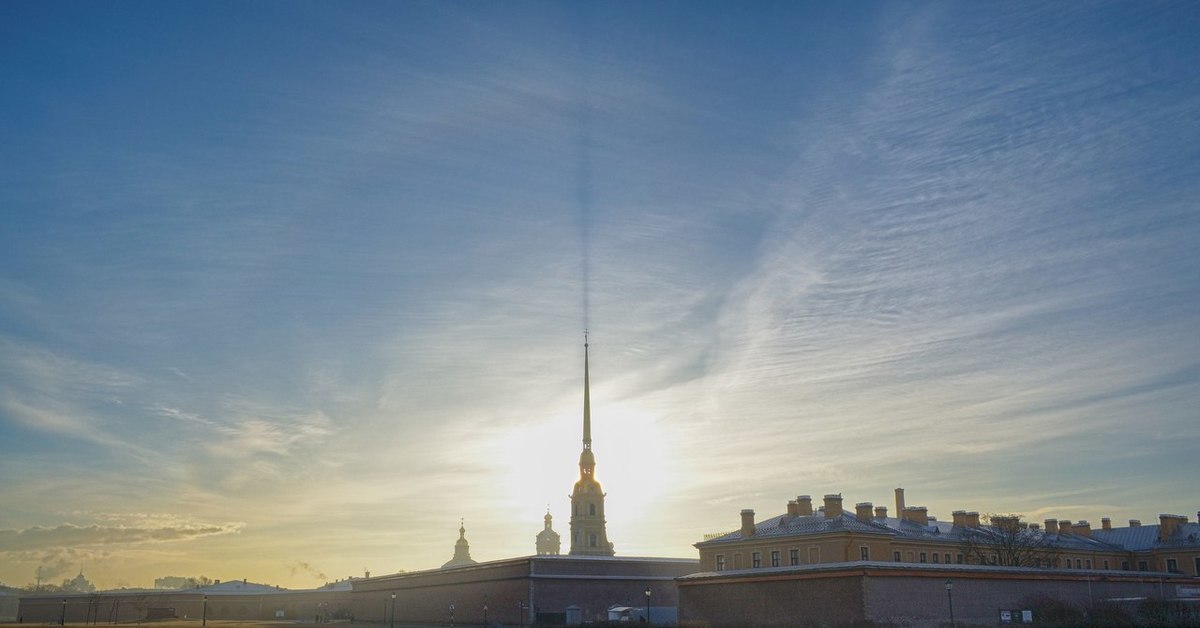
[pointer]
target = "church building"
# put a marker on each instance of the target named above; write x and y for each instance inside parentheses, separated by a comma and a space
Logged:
(589, 536)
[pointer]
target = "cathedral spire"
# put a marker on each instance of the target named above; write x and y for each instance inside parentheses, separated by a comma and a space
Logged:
(587, 402)
(588, 534)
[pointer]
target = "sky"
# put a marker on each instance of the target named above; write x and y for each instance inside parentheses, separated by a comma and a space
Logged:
(290, 289)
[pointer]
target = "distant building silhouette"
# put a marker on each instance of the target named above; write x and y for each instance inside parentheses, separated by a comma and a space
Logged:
(462, 550)
(548, 543)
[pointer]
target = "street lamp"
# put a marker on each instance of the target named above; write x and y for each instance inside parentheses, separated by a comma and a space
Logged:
(393, 613)
(452, 615)
(485, 610)
(647, 604)
(204, 613)
(950, 598)
(62, 620)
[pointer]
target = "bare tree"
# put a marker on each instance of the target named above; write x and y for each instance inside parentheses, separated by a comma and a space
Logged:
(1008, 541)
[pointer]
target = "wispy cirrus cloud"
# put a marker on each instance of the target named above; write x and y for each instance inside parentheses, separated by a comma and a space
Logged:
(96, 535)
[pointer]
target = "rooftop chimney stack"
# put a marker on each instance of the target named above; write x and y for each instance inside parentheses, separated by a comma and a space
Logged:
(1051, 526)
(1105, 523)
(833, 506)
(1135, 523)
(900, 503)
(960, 518)
(747, 522)
(1064, 526)
(917, 514)
(805, 503)
(862, 511)
(793, 508)
(881, 512)
(1168, 524)
(972, 519)
(1083, 528)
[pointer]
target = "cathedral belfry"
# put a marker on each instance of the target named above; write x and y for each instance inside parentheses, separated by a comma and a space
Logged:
(588, 533)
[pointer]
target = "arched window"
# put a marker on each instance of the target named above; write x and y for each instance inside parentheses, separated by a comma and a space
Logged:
(592, 509)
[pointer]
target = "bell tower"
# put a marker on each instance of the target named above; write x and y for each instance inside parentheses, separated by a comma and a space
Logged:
(588, 529)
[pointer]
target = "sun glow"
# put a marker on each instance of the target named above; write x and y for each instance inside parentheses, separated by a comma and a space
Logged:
(634, 465)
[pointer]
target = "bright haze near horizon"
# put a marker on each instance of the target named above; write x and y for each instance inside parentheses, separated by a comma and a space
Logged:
(287, 289)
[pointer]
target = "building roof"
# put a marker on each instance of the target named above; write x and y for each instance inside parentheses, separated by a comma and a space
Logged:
(1145, 538)
(905, 529)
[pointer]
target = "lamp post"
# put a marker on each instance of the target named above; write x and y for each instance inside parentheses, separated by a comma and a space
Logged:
(452, 615)
(204, 613)
(647, 604)
(485, 610)
(392, 615)
(62, 620)
(950, 599)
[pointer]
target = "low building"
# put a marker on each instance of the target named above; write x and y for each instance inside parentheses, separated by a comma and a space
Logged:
(549, 589)
(910, 594)
(237, 599)
(832, 534)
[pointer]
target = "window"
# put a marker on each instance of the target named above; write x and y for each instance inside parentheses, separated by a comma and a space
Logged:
(947, 558)
(1106, 564)
(592, 509)
(720, 562)
(1125, 565)
(864, 553)
(1088, 564)
(923, 557)
(1078, 564)
(1172, 565)
(896, 556)
(935, 557)
(1197, 566)
(592, 540)
(794, 556)
(756, 560)
(774, 558)
(1143, 565)
(958, 558)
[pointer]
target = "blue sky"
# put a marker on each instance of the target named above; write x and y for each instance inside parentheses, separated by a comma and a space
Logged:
(286, 289)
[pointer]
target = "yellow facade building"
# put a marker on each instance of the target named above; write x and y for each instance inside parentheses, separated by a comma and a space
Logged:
(832, 533)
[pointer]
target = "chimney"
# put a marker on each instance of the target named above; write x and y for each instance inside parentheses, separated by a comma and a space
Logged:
(1135, 523)
(805, 503)
(972, 519)
(747, 522)
(1105, 523)
(1064, 526)
(793, 509)
(1167, 524)
(1083, 528)
(881, 512)
(960, 518)
(1052, 526)
(833, 506)
(862, 510)
(917, 514)
(900, 503)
